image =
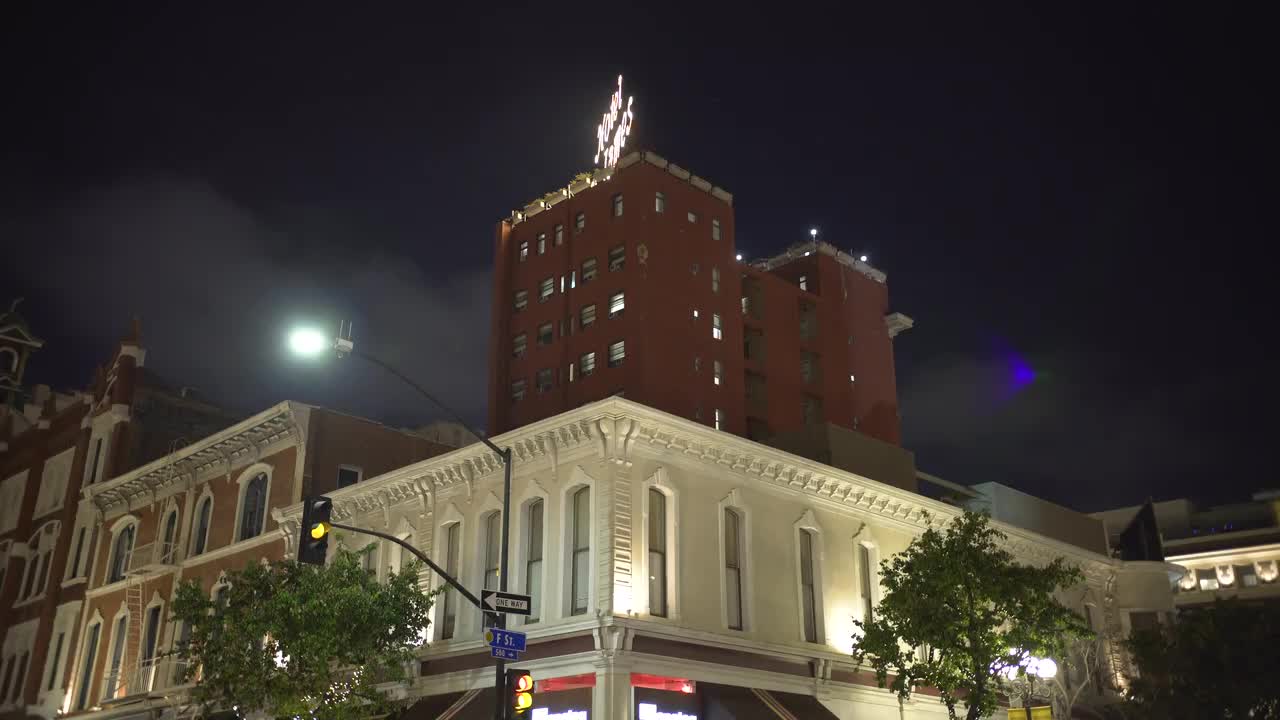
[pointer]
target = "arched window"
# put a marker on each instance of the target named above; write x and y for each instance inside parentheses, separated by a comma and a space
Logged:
(168, 554)
(93, 634)
(492, 549)
(733, 568)
(116, 666)
(533, 559)
(121, 551)
(449, 615)
(580, 578)
(253, 507)
(657, 553)
(200, 533)
(40, 557)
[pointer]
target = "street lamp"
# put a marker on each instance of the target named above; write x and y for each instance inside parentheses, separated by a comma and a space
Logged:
(1022, 675)
(310, 342)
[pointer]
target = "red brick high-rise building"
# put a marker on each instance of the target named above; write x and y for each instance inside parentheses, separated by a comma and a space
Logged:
(628, 282)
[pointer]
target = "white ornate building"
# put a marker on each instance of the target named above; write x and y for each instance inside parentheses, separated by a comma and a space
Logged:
(678, 566)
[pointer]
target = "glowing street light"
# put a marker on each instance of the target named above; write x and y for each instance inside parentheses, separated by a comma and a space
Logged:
(738, 257)
(813, 233)
(863, 258)
(308, 342)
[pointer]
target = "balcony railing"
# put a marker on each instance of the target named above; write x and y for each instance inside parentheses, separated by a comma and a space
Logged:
(154, 556)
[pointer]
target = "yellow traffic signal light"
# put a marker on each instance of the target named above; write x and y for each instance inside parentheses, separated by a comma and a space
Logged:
(313, 535)
(319, 530)
(519, 691)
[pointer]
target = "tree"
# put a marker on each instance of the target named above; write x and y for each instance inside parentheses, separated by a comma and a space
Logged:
(1219, 661)
(957, 610)
(297, 640)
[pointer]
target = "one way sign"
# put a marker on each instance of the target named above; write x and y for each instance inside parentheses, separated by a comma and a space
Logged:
(503, 602)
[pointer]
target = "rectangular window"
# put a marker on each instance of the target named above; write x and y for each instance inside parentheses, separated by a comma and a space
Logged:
(544, 380)
(808, 366)
(449, 615)
(519, 344)
(811, 410)
(693, 216)
(579, 222)
(57, 658)
(8, 678)
(521, 300)
(572, 372)
(524, 250)
(580, 586)
(533, 562)
(97, 455)
(546, 333)
(864, 575)
(517, 390)
(559, 235)
(715, 280)
(657, 553)
(151, 637)
(804, 282)
(733, 569)
(617, 258)
(587, 316)
(808, 599)
(659, 203)
(75, 558)
(717, 372)
(546, 288)
(492, 549)
(617, 303)
(117, 657)
(348, 476)
(617, 205)
(23, 662)
(717, 330)
(719, 421)
(86, 672)
(587, 363)
(617, 353)
(542, 243)
(588, 270)
(715, 229)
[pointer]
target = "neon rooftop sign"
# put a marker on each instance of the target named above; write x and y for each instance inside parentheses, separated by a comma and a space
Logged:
(614, 127)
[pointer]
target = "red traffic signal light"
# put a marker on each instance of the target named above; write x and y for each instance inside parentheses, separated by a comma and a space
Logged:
(519, 693)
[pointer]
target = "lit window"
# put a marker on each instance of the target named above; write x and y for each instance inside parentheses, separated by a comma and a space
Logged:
(717, 372)
(587, 316)
(617, 353)
(580, 578)
(517, 390)
(587, 363)
(715, 280)
(617, 303)
(733, 569)
(533, 561)
(746, 305)
(348, 476)
(804, 282)
(573, 279)
(588, 270)
(449, 613)
(715, 229)
(524, 250)
(617, 205)
(719, 419)
(559, 235)
(580, 222)
(542, 243)
(657, 553)
(659, 203)
(851, 378)
(521, 300)
(253, 507)
(546, 288)
(695, 313)
(519, 344)
(808, 595)
(545, 334)
(693, 216)
(617, 258)
(572, 372)
(544, 380)
(717, 331)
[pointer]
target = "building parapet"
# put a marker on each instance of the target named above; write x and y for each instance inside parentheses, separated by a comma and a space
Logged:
(805, 249)
(588, 180)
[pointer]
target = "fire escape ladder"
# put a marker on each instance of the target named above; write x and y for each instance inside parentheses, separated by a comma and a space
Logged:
(132, 672)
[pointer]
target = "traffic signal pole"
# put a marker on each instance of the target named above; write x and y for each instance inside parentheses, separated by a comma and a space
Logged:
(418, 554)
(500, 619)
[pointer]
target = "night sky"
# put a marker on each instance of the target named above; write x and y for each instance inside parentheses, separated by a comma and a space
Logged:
(1068, 204)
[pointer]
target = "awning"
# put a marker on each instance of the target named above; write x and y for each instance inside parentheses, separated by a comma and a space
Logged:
(449, 706)
(727, 702)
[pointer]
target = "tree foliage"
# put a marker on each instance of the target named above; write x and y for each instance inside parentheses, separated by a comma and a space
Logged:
(1221, 662)
(955, 606)
(297, 640)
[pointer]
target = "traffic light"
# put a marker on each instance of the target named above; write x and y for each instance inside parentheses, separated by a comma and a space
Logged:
(519, 693)
(313, 536)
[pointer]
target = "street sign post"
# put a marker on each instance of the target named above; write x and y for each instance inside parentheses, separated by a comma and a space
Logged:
(504, 654)
(505, 602)
(505, 639)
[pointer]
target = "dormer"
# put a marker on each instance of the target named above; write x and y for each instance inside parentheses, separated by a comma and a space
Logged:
(16, 345)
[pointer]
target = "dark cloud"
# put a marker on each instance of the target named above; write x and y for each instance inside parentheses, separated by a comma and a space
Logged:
(216, 287)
